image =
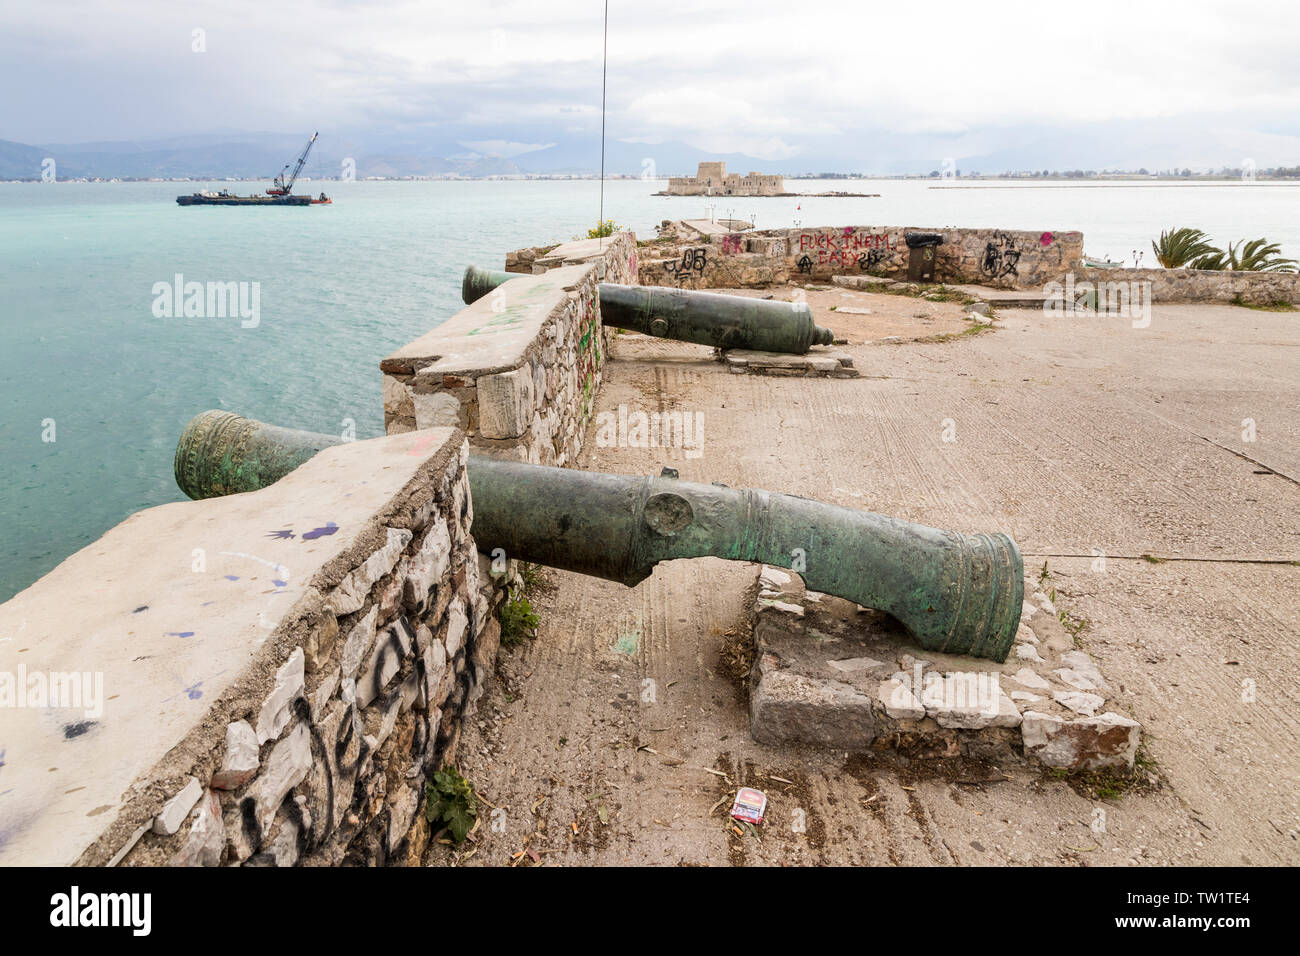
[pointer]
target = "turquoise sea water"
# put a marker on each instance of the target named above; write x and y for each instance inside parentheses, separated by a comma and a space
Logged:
(343, 285)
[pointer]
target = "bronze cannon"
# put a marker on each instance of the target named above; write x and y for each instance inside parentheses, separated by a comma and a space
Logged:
(707, 318)
(954, 593)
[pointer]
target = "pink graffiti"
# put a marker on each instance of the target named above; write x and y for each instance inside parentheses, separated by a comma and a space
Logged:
(730, 244)
(1047, 238)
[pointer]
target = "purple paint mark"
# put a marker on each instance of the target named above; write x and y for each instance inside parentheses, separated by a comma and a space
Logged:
(193, 692)
(330, 528)
(280, 534)
(206, 603)
(279, 584)
(179, 633)
(231, 577)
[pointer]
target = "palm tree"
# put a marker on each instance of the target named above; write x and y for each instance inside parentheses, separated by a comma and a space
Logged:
(1178, 248)
(1260, 255)
(1256, 255)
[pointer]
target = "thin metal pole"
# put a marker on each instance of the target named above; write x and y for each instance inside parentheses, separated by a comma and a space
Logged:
(604, 66)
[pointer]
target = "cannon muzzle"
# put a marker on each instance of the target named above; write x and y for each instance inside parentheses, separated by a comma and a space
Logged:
(221, 453)
(479, 282)
(955, 593)
(711, 318)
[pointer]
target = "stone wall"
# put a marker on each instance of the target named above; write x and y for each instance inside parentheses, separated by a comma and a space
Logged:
(280, 671)
(1204, 285)
(1007, 259)
(519, 369)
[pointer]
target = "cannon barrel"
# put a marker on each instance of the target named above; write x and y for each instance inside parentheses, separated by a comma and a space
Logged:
(479, 282)
(708, 318)
(711, 318)
(954, 593)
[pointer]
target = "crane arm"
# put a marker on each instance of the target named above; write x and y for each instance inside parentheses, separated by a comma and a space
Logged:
(280, 183)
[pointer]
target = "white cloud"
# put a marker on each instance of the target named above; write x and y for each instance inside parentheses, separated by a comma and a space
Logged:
(766, 79)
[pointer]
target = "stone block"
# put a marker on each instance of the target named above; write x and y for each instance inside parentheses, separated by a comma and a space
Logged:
(278, 706)
(1086, 743)
(241, 760)
(505, 403)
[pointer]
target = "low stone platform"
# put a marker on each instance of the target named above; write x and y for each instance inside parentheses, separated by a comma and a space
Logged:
(821, 363)
(865, 283)
(830, 673)
(1005, 298)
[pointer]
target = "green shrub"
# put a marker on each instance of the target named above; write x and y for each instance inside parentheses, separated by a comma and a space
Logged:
(518, 620)
(449, 802)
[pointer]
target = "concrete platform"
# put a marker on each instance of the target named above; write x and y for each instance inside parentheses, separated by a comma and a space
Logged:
(828, 673)
(1092, 443)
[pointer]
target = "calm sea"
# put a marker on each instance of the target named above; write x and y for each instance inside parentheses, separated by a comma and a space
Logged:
(84, 360)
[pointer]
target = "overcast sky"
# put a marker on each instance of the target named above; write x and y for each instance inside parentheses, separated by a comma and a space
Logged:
(775, 80)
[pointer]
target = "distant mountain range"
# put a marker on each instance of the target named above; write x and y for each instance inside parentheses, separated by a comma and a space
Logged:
(540, 148)
(262, 155)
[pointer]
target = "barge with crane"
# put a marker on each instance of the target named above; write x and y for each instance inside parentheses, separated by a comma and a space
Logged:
(279, 194)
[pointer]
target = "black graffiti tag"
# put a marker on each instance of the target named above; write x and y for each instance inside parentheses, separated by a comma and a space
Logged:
(693, 260)
(870, 259)
(1001, 257)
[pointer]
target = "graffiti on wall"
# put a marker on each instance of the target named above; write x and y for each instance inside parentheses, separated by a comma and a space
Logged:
(871, 259)
(731, 244)
(842, 248)
(589, 356)
(1001, 257)
(693, 260)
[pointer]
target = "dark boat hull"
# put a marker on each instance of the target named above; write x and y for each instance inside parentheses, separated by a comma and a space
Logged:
(199, 200)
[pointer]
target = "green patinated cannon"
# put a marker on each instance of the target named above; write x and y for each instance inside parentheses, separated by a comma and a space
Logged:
(221, 453)
(479, 282)
(955, 593)
(707, 318)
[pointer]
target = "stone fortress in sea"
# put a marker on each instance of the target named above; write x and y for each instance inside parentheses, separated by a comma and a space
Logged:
(712, 179)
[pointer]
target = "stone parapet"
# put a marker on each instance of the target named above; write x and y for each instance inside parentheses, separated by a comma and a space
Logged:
(1004, 258)
(518, 369)
(261, 679)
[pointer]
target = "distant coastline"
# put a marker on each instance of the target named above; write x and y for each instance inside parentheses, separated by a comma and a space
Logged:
(1009, 181)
